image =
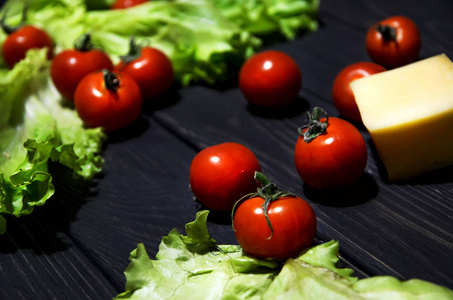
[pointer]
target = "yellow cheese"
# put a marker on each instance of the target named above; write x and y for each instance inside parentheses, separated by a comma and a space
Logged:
(409, 114)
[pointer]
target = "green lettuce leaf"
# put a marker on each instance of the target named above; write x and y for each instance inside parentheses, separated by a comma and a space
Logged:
(207, 41)
(203, 45)
(326, 256)
(36, 128)
(259, 17)
(196, 267)
(263, 17)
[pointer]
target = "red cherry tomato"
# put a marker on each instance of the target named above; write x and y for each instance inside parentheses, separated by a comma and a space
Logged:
(108, 99)
(121, 4)
(22, 39)
(222, 174)
(270, 79)
(70, 66)
(335, 155)
(293, 224)
(342, 95)
(394, 42)
(150, 68)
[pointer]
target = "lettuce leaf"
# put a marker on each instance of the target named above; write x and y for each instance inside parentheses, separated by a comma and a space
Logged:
(207, 41)
(263, 17)
(35, 129)
(259, 17)
(196, 265)
(186, 263)
(203, 45)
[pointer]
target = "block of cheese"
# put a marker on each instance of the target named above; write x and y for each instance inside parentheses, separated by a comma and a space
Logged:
(409, 114)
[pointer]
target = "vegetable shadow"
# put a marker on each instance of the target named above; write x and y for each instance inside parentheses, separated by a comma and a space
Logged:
(219, 217)
(295, 108)
(168, 99)
(216, 217)
(228, 83)
(46, 229)
(360, 192)
(136, 129)
(440, 176)
(142, 124)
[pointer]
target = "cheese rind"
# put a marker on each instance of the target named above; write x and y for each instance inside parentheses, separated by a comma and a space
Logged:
(409, 114)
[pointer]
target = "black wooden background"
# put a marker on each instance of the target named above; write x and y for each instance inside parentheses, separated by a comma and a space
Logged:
(77, 245)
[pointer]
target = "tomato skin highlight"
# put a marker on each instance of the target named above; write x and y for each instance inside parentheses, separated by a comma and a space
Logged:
(293, 221)
(222, 174)
(70, 66)
(397, 52)
(342, 95)
(270, 79)
(26, 37)
(98, 106)
(122, 4)
(153, 71)
(334, 159)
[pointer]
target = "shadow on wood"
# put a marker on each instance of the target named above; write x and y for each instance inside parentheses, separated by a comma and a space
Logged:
(361, 191)
(44, 231)
(295, 108)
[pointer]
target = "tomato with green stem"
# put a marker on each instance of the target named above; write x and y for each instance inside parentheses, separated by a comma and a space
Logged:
(330, 152)
(22, 38)
(270, 79)
(108, 99)
(150, 67)
(70, 66)
(222, 174)
(394, 41)
(343, 97)
(272, 223)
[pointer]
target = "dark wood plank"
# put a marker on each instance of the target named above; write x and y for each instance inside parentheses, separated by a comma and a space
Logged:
(38, 260)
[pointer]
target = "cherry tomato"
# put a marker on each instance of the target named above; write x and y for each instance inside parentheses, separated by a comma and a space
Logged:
(222, 174)
(270, 79)
(393, 42)
(291, 230)
(120, 4)
(22, 39)
(151, 69)
(70, 66)
(108, 99)
(342, 95)
(330, 152)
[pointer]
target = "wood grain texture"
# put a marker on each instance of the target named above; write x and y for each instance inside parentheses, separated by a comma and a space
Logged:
(77, 245)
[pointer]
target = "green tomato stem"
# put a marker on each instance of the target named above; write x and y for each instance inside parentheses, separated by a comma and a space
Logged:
(111, 80)
(134, 51)
(388, 32)
(84, 43)
(269, 192)
(10, 29)
(315, 126)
